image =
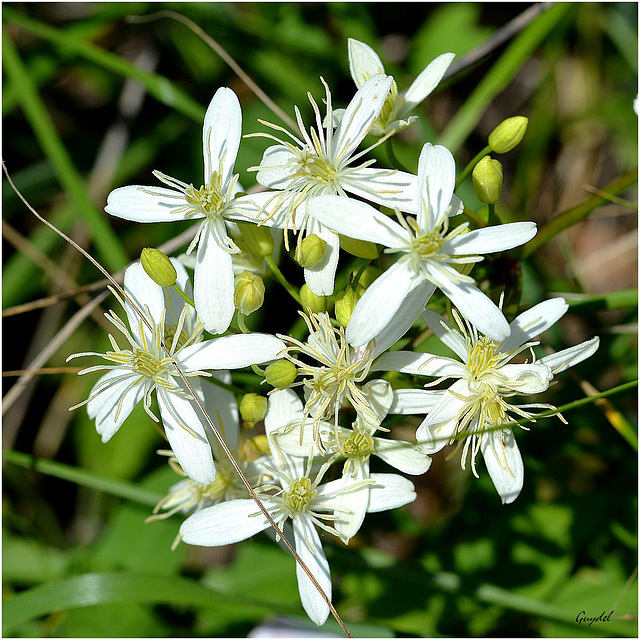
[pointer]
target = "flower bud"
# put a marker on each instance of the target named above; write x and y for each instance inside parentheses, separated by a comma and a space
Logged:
(249, 292)
(317, 304)
(158, 267)
(345, 304)
(311, 251)
(257, 240)
(253, 408)
(260, 444)
(281, 374)
(508, 134)
(487, 180)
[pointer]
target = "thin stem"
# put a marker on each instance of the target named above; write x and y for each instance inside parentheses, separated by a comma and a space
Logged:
(183, 295)
(354, 283)
(467, 170)
(282, 280)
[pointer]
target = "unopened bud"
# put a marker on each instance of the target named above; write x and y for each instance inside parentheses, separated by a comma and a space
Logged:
(253, 408)
(257, 240)
(249, 292)
(260, 444)
(345, 304)
(487, 180)
(508, 134)
(311, 251)
(281, 374)
(317, 304)
(158, 267)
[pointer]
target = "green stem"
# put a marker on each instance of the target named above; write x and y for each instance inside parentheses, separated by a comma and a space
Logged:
(242, 324)
(282, 280)
(354, 283)
(393, 158)
(183, 295)
(491, 218)
(467, 170)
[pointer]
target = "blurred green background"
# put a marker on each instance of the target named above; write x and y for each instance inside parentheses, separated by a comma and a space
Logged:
(93, 100)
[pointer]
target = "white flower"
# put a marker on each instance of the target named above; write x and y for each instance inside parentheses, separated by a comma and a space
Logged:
(484, 379)
(213, 203)
(429, 251)
(321, 162)
(364, 63)
(295, 437)
(143, 366)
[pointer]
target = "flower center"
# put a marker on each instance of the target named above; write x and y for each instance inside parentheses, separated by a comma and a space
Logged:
(358, 445)
(389, 106)
(312, 166)
(482, 357)
(207, 199)
(299, 495)
(146, 364)
(427, 245)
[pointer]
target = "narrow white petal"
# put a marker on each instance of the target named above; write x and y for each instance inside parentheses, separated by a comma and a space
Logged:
(309, 548)
(404, 456)
(436, 182)
(380, 396)
(321, 278)
(566, 358)
(504, 463)
(352, 501)
(359, 115)
(380, 302)
(356, 219)
(221, 135)
(412, 401)
(231, 352)
(192, 451)
(147, 204)
(285, 408)
(146, 295)
(213, 284)
(531, 323)
(276, 167)
(427, 81)
(527, 379)
(390, 491)
(421, 364)
(389, 188)
(491, 239)
(224, 523)
(446, 333)
(222, 408)
(363, 62)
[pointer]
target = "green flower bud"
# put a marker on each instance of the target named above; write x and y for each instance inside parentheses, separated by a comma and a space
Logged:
(317, 304)
(311, 251)
(508, 134)
(281, 374)
(158, 267)
(259, 444)
(345, 304)
(249, 292)
(253, 408)
(487, 180)
(257, 240)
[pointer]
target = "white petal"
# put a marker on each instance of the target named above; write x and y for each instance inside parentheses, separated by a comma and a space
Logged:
(193, 453)
(147, 296)
(276, 167)
(533, 322)
(359, 220)
(412, 401)
(527, 379)
(352, 501)
(380, 395)
(390, 491)
(359, 115)
(309, 548)
(321, 278)
(222, 408)
(491, 239)
(223, 523)
(421, 364)
(213, 284)
(566, 358)
(231, 352)
(389, 188)
(363, 62)
(147, 204)
(404, 456)
(504, 463)
(221, 135)
(380, 302)
(436, 182)
(426, 82)
(446, 333)
(285, 409)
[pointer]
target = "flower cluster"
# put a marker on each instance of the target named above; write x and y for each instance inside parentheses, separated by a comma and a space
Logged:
(312, 467)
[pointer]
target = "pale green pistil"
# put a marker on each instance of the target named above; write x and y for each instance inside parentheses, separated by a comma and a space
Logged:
(427, 245)
(207, 199)
(146, 363)
(299, 495)
(482, 357)
(316, 168)
(358, 445)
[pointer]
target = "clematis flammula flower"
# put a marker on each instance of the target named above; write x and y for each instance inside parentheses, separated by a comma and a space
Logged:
(214, 202)
(134, 372)
(394, 116)
(485, 378)
(428, 251)
(293, 436)
(333, 369)
(321, 161)
(296, 495)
